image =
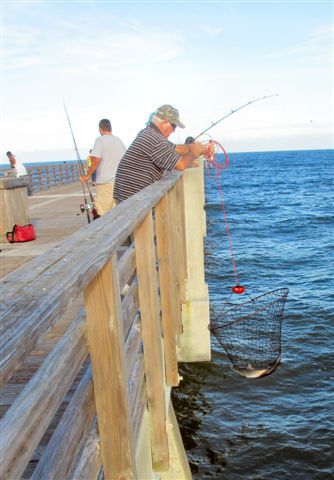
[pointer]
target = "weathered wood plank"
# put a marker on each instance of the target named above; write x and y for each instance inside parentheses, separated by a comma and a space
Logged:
(73, 266)
(59, 455)
(181, 231)
(126, 266)
(167, 293)
(175, 258)
(133, 345)
(25, 422)
(35, 359)
(106, 345)
(130, 306)
(151, 333)
(89, 464)
(140, 406)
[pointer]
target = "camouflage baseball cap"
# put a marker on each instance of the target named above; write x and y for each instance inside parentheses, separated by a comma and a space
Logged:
(167, 112)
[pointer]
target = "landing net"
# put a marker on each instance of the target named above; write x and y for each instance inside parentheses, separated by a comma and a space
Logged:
(250, 333)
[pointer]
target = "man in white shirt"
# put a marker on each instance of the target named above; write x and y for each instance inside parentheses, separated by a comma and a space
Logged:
(106, 155)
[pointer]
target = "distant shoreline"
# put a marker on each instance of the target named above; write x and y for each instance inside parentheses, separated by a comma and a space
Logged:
(266, 152)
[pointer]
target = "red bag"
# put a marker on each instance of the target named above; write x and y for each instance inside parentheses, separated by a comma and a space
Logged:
(21, 233)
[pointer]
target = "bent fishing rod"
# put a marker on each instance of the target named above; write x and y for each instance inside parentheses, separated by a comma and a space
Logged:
(192, 140)
(82, 172)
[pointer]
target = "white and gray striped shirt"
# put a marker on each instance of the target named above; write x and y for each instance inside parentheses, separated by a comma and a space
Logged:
(144, 163)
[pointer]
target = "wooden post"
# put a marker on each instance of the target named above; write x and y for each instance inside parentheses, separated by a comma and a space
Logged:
(181, 237)
(151, 334)
(13, 203)
(167, 292)
(106, 345)
(175, 257)
(195, 342)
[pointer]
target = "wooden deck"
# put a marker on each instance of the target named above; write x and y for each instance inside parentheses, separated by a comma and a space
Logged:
(56, 215)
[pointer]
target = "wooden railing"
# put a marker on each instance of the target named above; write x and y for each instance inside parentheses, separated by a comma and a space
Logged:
(47, 177)
(91, 335)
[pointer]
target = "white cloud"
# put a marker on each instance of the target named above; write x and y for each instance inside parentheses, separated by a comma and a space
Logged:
(211, 31)
(318, 46)
(71, 49)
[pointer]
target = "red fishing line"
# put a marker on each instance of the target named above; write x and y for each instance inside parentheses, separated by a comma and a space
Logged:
(218, 166)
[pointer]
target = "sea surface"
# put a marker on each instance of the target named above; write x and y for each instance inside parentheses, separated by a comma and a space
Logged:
(281, 219)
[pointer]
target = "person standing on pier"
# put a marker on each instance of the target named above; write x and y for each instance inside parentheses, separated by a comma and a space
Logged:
(106, 155)
(151, 154)
(17, 164)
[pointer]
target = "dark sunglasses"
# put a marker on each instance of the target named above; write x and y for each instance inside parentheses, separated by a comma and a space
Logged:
(173, 125)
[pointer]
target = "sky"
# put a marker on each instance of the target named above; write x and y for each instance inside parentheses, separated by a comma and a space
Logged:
(122, 60)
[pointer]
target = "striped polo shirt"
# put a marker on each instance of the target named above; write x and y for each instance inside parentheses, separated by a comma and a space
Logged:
(149, 155)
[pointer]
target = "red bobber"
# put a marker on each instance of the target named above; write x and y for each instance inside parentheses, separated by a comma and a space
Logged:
(238, 289)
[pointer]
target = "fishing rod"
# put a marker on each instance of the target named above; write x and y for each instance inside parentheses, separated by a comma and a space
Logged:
(86, 206)
(192, 140)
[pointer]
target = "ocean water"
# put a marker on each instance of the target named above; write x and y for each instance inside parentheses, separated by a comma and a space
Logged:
(280, 213)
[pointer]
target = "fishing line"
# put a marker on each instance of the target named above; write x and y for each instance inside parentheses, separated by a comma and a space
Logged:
(238, 289)
(250, 331)
(218, 167)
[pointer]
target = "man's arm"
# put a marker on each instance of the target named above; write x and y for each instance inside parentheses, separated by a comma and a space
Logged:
(95, 163)
(189, 153)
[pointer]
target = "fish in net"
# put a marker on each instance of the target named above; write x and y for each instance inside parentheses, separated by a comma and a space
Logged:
(250, 333)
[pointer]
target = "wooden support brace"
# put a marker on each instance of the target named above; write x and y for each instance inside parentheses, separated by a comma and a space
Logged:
(152, 340)
(181, 231)
(175, 257)
(167, 292)
(106, 345)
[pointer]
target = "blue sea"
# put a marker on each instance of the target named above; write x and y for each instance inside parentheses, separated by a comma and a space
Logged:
(280, 213)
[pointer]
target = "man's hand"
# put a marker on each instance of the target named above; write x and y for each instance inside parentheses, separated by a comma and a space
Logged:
(196, 149)
(84, 178)
(209, 150)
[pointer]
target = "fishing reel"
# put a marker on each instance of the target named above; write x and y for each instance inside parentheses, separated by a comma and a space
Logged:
(85, 207)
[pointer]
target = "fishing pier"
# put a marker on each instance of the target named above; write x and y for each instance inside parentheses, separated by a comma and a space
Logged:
(94, 323)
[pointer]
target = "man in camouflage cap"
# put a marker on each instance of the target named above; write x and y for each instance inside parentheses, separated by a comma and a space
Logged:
(167, 112)
(151, 154)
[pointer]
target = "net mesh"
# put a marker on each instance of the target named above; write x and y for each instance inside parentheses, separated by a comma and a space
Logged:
(250, 333)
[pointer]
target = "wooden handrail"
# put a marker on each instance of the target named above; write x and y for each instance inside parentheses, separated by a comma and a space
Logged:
(60, 274)
(132, 294)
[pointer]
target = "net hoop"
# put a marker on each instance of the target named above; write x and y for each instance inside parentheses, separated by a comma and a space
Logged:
(250, 333)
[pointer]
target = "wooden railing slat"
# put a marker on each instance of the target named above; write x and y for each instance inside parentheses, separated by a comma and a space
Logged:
(130, 306)
(59, 455)
(151, 333)
(175, 259)
(89, 463)
(167, 292)
(126, 266)
(132, 345)
(105, 338)
(181, 231)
